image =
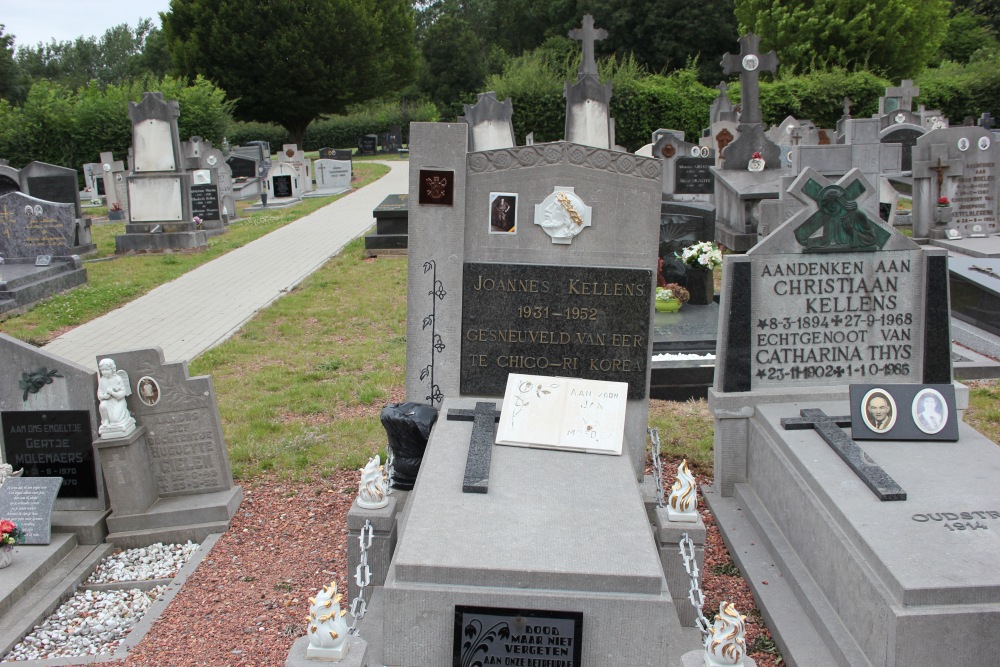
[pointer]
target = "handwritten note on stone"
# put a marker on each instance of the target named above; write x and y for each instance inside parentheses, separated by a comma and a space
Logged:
(28, 502)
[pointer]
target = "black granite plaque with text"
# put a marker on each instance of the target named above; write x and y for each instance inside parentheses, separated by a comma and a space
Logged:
(500, 636)
(282, 186)
(693, 176)
(205, 201)
(242, 167)
(572, 321)
(54, 443)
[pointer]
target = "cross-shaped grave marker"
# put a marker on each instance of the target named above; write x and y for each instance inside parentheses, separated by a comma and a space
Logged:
(322, 173)
(904, 93)
(749, 64)
(844, 224)
(829, 428)
(588, 35)
(938, 163)
(986, 121)
(484, 428)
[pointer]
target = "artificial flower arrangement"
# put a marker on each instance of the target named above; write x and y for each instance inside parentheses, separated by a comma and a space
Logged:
(10, 534)
(705, 255)
(197, 222)
(943, 201)
(115, 206)
(672, 291)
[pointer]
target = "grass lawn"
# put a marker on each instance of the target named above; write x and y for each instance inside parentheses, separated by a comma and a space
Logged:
(115, 280)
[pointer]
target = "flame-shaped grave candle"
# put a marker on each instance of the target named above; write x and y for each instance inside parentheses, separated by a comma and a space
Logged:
(372, 492)
(327, 625)
(682, 505)
(726, 644)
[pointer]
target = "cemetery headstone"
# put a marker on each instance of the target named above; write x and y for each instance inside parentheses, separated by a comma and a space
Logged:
(368, 145)
(51, 183)
(490, 124)
(28, 502)
(283, 182)
(750, 63)
(48, 423)
(115, 182)
(30, 227)
(332, 176)
(588, 113)
(159, 187)
(176, 459)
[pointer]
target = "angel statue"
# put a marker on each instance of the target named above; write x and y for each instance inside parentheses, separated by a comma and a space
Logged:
(112, 388)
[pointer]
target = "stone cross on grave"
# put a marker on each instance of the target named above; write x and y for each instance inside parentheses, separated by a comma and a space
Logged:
(322, 172)
(938, 163)
(588, 35)
(986, 121)
(845, 226)
(723, 88)
(904, 93)
(484, 428)
(749, 63)
(829, 428)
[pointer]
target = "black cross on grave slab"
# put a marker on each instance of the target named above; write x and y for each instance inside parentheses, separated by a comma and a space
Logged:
(484, 432)
(829, 428)
(588, 35)
(749, 64)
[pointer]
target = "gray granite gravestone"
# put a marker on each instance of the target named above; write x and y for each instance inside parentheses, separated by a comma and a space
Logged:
(50, 420)
(159, 188)
(827, 300)
(30, 226)
(490, 124)
(28, 502)
(169, 480)
(332, 177)
(588, 112)
(115, 183)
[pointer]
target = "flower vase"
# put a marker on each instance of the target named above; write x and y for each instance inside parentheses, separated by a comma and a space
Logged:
(668, 305)
(6, 556)
(701, 285)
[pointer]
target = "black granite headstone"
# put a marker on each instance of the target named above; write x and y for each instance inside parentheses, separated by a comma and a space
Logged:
(242, 167)
(693, 176)
(54, 188)
(368, 145)
(577, 321)
(500, 636)
(100, 187)
(8, 184)
(908, 138)
(28, 502)
(205, 201)
(54, 443)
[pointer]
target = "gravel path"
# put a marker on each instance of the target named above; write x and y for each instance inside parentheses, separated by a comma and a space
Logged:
(248, 599)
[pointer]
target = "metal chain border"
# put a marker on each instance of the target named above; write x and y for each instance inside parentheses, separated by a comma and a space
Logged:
(362, 577)
(654, 447)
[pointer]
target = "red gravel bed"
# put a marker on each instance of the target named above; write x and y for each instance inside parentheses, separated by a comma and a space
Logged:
(248, 600)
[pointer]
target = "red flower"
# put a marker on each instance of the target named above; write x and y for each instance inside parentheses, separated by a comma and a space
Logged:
(943, 201)
(6, 527)
(756, 155)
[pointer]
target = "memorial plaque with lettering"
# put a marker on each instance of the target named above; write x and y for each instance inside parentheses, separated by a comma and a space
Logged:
(205, 201)
(693, 176)
(573, 321)
(54, 188)
(499, 636)
(282, 186)
(28, 502)
(54, 443)
(851, 317)
(30, 226)
(974, 194)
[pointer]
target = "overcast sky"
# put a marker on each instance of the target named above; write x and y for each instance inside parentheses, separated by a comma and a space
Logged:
(33, 21)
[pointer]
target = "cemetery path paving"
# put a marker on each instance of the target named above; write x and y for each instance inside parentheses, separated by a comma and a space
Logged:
(206, 306)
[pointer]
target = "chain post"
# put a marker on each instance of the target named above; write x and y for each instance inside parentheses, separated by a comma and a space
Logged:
(390, 470)
(654, 447)
(695, 594)
(362, 577)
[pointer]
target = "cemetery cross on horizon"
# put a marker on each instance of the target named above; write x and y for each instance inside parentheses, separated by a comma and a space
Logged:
(749, 64)
(588, 35)
(904, 93)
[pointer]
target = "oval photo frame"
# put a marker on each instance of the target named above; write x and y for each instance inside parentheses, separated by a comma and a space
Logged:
(148, 390)
(867, 418)
(927, 420)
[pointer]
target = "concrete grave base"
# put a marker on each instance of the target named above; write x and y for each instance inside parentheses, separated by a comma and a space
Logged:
(354, 656)
(845, 579)
(977, 247)
(557, 531)
(697, 659)
(176, 519)
(22, 284)
(160, 242)
(275, 203)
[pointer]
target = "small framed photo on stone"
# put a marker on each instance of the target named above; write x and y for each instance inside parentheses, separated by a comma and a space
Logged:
(904, 412)
(148, 390)
(503, 213)
(437, 187)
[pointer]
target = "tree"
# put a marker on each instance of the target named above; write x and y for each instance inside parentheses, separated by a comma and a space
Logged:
(9, 84)
(967, 33)
(453, 68)
(895, 38)
(667, 34)
(289, 61)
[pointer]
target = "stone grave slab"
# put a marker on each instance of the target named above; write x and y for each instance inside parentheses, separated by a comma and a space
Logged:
(975, 291)
(28, 502)
(30, 226)
(432, 572)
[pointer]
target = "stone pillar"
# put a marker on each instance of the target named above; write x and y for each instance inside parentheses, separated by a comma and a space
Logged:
(668, 539)
(379, 553)
(128, 473)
